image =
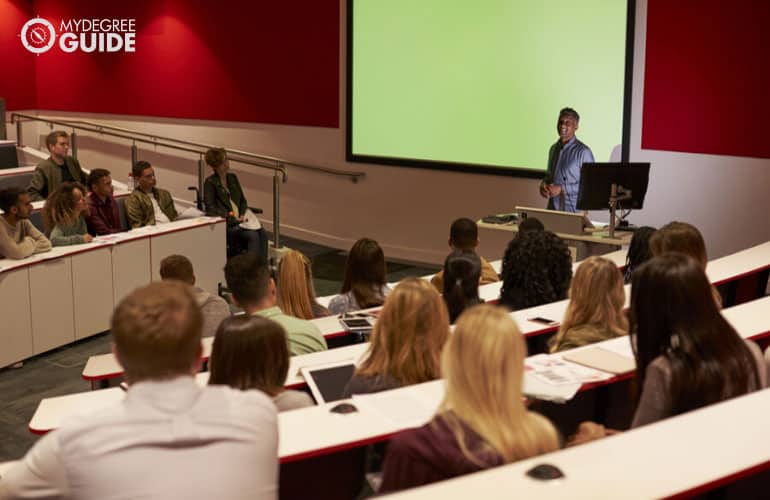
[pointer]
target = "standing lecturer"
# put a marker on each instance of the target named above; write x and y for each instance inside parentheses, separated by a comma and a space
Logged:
(565, 158)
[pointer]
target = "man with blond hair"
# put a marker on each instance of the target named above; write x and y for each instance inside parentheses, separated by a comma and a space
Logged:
(169, 437)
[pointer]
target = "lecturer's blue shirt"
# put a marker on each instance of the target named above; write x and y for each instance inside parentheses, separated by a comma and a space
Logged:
(564, 164)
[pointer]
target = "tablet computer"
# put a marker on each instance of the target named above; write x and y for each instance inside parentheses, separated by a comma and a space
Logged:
(360, 324)
(328, 381)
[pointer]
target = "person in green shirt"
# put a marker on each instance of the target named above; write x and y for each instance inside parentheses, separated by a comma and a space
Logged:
(248, 278)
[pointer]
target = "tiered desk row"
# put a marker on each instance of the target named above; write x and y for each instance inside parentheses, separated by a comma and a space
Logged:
(54, 298)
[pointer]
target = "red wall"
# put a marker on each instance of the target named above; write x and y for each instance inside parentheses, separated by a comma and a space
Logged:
(17, 76)
(707, 77)
(268, 62)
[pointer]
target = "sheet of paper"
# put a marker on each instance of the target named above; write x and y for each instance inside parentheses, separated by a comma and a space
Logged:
(554, 370)
(404, 408)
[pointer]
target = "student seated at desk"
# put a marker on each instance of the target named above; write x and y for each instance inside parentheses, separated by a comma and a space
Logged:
(595, 310)
(213, 307)
(57, 168)
(406, 341)
(250, 352)
(462, 270)
(687, 355)
(169, 437)
(18, 237)
(464, 236)
(684, 238)
(248, 278)
(63, 215)
(482, 421)
(148, 205)
(537, 269)
(639, 251)
(364, 283)
(296, 293)
(103, 215)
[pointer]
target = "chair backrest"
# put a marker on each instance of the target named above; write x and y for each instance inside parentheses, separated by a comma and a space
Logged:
(36, 218)
(122, 211)
(8, 156)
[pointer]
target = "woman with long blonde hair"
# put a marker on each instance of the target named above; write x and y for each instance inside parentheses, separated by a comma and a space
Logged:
(482, 421)
(63, 215)
(406, 341)
(296, 294)
(595, 310)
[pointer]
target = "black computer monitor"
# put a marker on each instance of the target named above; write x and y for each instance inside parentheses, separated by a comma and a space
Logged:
(596, 180)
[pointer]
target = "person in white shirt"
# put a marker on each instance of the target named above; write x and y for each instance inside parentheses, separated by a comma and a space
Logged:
(170, 437)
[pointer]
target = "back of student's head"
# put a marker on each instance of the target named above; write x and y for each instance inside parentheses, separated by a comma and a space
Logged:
(157, 332)
(462, 271)
(673, 314)
(365, 273)
(639, 250)
(250, 352)
(537, 268)
(295, 285)
(596, 298)
(530, 224)
(248, 278)
(464, 234)
(409, 334)
(483, 364)
(177, 267)
(680, 237)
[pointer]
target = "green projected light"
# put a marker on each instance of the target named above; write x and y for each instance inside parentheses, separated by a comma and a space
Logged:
(481, 83)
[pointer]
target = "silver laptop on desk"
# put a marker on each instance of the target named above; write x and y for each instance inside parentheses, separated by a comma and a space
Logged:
(555, 220)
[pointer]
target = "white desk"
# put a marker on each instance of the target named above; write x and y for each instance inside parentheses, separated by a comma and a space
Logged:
(53, 298)
(723, 269)
(673, 457)
(750, 319)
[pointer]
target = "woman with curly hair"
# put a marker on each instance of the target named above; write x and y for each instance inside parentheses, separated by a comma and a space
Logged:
(63, 215)
(406, 341)
(537, 269)
(482, 421)
(595, 310)
(364, 283)
(296, 294)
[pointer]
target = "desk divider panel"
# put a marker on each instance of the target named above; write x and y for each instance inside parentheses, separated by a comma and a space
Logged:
(203, 245)
(130, 267)
(16, 337)
(53, 318)
(92, 291)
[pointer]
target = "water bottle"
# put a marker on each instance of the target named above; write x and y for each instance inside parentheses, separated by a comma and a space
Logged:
(130, 183)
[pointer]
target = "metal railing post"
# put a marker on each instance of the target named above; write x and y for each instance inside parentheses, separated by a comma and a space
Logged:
(18, 133)
(201, 174)
(74, 144)
(276, 210)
